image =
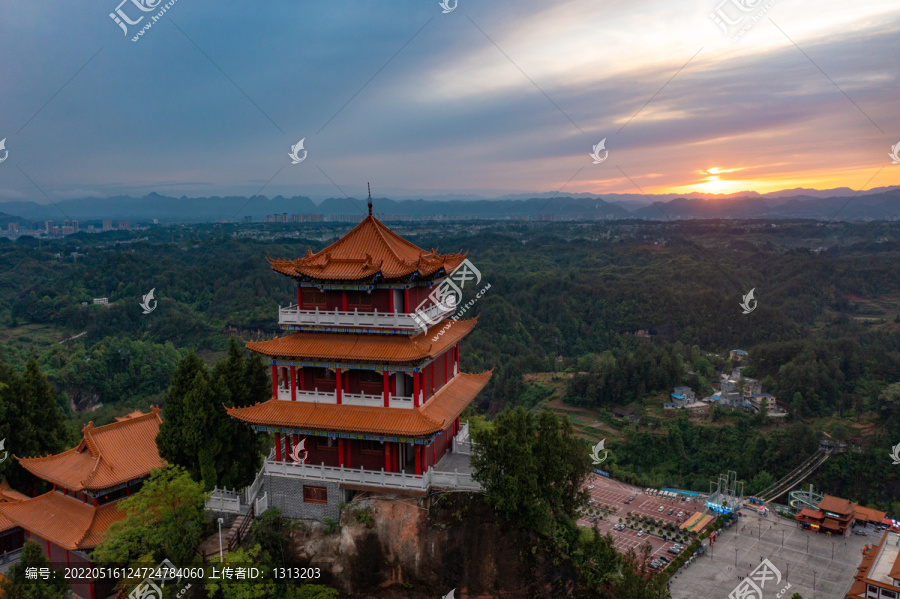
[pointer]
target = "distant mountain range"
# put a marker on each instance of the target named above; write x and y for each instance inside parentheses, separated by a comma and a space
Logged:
(840, 204)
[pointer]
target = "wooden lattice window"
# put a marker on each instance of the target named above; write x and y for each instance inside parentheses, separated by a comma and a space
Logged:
(315, 494)
(371, 446)
(359, 299)
(313, 298)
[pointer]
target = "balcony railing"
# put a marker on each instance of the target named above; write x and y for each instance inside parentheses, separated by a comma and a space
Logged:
(461, 442)
(347, 399)
(391, 480)
(336, 318)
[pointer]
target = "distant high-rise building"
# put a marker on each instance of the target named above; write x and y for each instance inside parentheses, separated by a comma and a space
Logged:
(124, 225)
(13, 227)
(55, 230)
(48, 226)
(107, 225)
(155, 221)
(75, 226)
(248, 219)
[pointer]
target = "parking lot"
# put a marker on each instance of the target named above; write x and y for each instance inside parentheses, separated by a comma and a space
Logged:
(612, 493)
(817, 566)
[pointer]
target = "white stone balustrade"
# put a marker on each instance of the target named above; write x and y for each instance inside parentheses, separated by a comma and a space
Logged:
(292, 315)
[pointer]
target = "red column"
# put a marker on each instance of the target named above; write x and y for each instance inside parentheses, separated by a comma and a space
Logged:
(349, 455)
(387, 456)
(339, 388)
(296, 443)
(277, 447)
(418, 451)
(127, 494)
(274, 381)
(391, 300)
(299, 297)
(341, 451)
(416, 389)
(300, 377)
(387, 389)
(406, 301)
(293, 383)
(344, 301)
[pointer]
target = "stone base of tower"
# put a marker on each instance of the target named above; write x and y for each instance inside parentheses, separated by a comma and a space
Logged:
(304, 499)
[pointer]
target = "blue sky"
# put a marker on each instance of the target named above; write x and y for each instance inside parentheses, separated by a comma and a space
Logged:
(490, 98)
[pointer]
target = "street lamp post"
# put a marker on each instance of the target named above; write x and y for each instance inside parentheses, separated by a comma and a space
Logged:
(221, 520)
(782, 538)
(735, 557)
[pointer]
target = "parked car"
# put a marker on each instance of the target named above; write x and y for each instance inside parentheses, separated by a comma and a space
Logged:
(673, 551)
(593, 519)
(631, 498)
(661, 508)
(861, 533)
(663, 558)
(680, 514)
(640, 533)
(589, 487)
(669, 513)
(654, 565)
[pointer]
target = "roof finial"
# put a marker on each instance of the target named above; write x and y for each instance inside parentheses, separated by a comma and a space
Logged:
(370, 198)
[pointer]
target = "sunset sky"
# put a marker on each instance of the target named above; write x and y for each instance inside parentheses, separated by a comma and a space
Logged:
(491, 98)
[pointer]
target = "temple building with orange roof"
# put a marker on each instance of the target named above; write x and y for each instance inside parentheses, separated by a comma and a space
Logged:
(878, 574)
(110, 463)
(366, 386)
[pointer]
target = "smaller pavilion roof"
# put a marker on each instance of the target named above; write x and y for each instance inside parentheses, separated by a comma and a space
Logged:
(369, 248)
(62, 520)
(394, 349)
(107, 455)
(836, 505)
(808, 512)
(868, 514)
(434, 416)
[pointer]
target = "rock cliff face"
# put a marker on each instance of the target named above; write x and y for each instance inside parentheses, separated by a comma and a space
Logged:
(405, 550)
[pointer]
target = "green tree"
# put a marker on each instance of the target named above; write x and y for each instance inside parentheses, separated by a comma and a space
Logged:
(532, 472)
(263, 588)
(197, 432)
(30, 419)
(164, 520)
(273, 533)
(16, 586)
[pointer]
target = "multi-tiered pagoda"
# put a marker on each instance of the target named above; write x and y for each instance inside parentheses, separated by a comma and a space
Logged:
(363, 397)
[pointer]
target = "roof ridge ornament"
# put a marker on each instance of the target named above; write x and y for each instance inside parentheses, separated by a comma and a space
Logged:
(369, 185)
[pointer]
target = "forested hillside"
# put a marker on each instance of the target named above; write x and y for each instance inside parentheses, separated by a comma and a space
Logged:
(628, 309)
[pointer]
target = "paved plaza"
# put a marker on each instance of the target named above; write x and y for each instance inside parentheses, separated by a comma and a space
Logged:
(613, 493)
(828, 564)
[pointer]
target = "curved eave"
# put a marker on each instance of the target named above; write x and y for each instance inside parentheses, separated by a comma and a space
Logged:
(365, 348)
(425, 420)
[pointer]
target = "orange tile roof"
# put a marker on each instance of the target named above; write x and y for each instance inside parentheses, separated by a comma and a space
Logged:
(368, 249)
(434, 416)
(8, 494)
(808, 512)
(836, 505)
(365, 347)
(62, 520)
(107, 455)
(869, 514)
(6, 523)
